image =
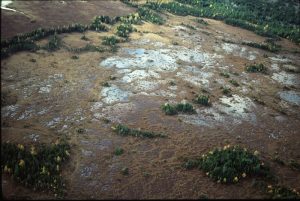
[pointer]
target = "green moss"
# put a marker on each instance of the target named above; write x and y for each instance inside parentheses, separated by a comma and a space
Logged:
(125, 131)
(38, 166)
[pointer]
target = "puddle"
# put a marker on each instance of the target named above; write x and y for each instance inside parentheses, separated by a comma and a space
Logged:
(292, 97)
(287, 78)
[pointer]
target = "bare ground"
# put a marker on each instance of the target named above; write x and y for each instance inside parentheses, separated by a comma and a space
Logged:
(57, 95)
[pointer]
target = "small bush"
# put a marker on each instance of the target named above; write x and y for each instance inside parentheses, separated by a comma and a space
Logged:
(269, 46)
(281, 192)
(180, 107)
(169, 109)
(201, 21)
(185, 108)
(224, 74)
(254, 68)
(235, 83)
(151, 16)
(125, 131)
(54, 43)
(118, 151)
(111, 41)
(84, 38)
(123, 30)
(74, 57)
(226, 91)
(38, 167)
(229, 165)
(105, 84)
(203, 100)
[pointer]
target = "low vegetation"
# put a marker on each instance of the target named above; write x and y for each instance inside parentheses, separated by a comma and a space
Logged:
(234, 83)
(256, 68)
(270, 46)
(125, 131)
(229, 165)
(123, 30)
(118, 151)
(110, 40)
(180, 107)
(36, 166)
(203, 100)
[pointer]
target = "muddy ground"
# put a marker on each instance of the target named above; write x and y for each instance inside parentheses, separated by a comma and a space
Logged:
(57, 95)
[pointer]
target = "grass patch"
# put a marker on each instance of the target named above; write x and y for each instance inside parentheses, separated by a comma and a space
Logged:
(234, 83)
(118, 151)
(203, 100)
(282, 192)
(180, 107)
(256, 68)
(125, 131)
(229, 165)
(37, 166)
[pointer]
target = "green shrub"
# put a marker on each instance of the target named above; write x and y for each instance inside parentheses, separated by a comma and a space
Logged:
(133, 18)
(97, 24)
(38, 166)
(169, 109)
(180, 107)
(74, 57)
(84, 38)
(185, 108)
(254, 68)
(110, 40)
(123, 30)
(203, 100)
(201, 21)
(270, 46)
(151, 16)
(233, 82)
(119, 151)
(54, 43)
(281, 192)
(125, 131)
(226, 91)
(229, 165)
(224, 74)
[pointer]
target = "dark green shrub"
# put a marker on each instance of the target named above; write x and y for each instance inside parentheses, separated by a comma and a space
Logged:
(151, 16)
(254, 68)
(203, 100)
(226, 91)
(235, 83)
(125, 131)
(224, 74)
(119, 151)
(169, 109)
(54, 43)
(123, 30)
(74, 57)
(38, 166)
(185, 108)
(229, 165)
(110, 40)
